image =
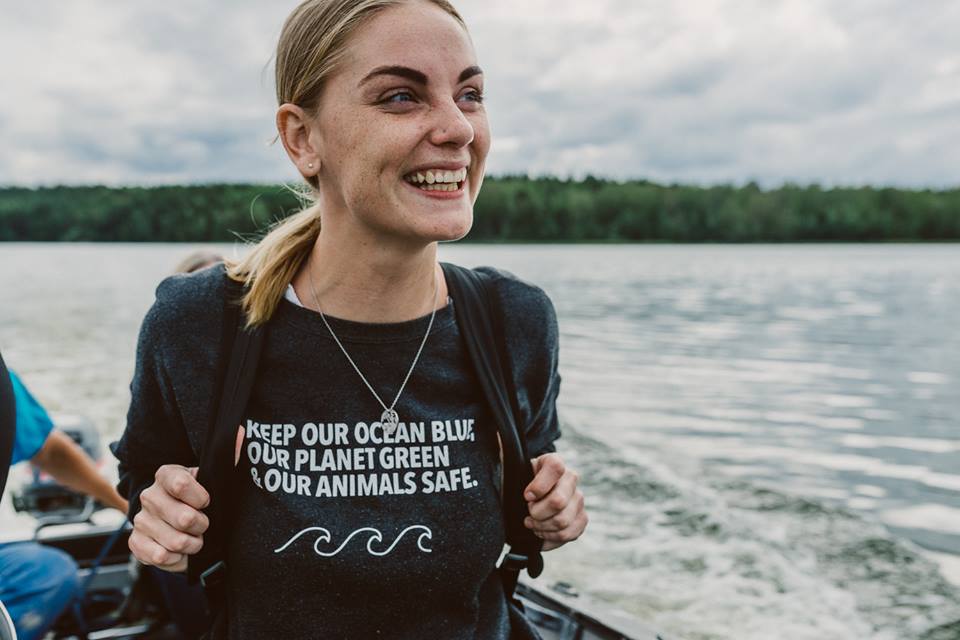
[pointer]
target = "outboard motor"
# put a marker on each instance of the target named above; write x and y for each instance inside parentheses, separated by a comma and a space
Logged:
(43, 497)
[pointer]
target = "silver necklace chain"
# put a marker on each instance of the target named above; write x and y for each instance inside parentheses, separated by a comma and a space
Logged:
(389, 418)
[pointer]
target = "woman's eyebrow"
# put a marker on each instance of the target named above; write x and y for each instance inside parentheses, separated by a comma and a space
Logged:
(414, 75)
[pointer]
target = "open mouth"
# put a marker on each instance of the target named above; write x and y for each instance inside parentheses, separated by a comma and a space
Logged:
(438, 179)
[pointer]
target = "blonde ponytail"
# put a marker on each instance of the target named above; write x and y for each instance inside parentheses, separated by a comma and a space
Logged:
(270, 266)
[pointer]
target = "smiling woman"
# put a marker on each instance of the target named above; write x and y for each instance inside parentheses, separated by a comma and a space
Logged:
(381, 111)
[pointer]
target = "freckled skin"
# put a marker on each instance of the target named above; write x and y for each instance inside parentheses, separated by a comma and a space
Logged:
(366, 146)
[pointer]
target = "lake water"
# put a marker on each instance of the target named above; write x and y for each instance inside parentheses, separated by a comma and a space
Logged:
(766, 434)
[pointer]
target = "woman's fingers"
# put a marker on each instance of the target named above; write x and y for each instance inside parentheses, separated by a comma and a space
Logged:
(181, 484)
(555, 538)
(547, 470)
(148, 551)
(241, 432)
(557, 498)
(174, 541)
(169, 526)
(558, 514)
(560, 521)
(179, 515)
(572, 532)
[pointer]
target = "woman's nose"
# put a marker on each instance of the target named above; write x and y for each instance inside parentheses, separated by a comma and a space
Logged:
(451, 126)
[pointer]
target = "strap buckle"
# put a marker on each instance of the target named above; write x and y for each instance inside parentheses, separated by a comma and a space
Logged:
(214, 576)
(515, 561)
(519, 561)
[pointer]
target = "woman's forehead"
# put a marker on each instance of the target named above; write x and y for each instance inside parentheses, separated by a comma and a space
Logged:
(413, 35)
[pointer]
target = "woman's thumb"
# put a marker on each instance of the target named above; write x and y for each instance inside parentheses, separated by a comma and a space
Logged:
(241, 432)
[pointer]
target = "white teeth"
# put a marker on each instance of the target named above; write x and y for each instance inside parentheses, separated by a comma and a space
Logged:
(439, 187)
(437, 176)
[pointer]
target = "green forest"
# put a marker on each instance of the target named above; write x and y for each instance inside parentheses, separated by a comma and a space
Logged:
(510, 208)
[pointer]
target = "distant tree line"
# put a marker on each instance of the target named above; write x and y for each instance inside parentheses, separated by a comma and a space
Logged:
(510, 208)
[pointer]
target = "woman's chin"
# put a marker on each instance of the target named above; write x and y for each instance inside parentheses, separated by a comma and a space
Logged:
(452, 229)
(442, 226)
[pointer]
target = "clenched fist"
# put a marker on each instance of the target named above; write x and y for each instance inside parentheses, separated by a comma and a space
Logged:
(555, 503)
(170, 524)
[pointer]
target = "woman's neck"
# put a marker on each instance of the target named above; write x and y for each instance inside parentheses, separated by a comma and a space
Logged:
(370, 281)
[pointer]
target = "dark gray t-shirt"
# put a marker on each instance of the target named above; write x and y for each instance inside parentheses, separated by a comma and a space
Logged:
(344, 531)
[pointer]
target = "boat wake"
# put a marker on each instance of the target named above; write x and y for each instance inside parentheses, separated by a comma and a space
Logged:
(701, 555)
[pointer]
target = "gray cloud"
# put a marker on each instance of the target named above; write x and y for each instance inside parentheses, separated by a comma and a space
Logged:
(862, 91)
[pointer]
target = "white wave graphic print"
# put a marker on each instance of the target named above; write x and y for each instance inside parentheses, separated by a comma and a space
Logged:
(325, 536)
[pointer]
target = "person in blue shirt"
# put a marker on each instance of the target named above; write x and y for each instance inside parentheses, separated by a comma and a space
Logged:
(8, 425)
(37, 582)
(8, 418)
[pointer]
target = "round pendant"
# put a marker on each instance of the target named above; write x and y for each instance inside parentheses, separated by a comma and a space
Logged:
(389, 419)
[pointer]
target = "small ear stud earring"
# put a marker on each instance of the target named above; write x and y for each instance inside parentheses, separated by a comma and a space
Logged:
(310, 165)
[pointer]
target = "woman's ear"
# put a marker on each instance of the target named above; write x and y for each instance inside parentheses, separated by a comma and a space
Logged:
(293, 124)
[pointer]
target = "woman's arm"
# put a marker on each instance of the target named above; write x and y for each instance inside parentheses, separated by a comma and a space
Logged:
(155, 433)
(554, 501)
(70, 465)
(156, 461)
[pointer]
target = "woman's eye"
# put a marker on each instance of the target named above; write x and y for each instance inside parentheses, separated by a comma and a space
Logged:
(391, 99)
(405, 96)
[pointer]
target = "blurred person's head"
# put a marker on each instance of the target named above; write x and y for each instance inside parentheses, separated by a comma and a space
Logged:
(198, 260)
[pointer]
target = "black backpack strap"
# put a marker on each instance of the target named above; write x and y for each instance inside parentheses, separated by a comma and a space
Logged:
(478, 314)
(217, 470)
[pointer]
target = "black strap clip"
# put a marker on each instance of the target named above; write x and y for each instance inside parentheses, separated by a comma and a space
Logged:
(520, 561)
(214, 576)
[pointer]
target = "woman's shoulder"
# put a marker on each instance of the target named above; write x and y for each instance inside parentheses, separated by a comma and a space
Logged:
(532, 336)
(521, 300)
(529, 318)
(187, 302)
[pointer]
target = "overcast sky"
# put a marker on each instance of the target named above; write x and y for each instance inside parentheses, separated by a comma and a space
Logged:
(701, 91)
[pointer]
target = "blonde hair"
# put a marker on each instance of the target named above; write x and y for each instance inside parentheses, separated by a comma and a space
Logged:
(312, 43)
